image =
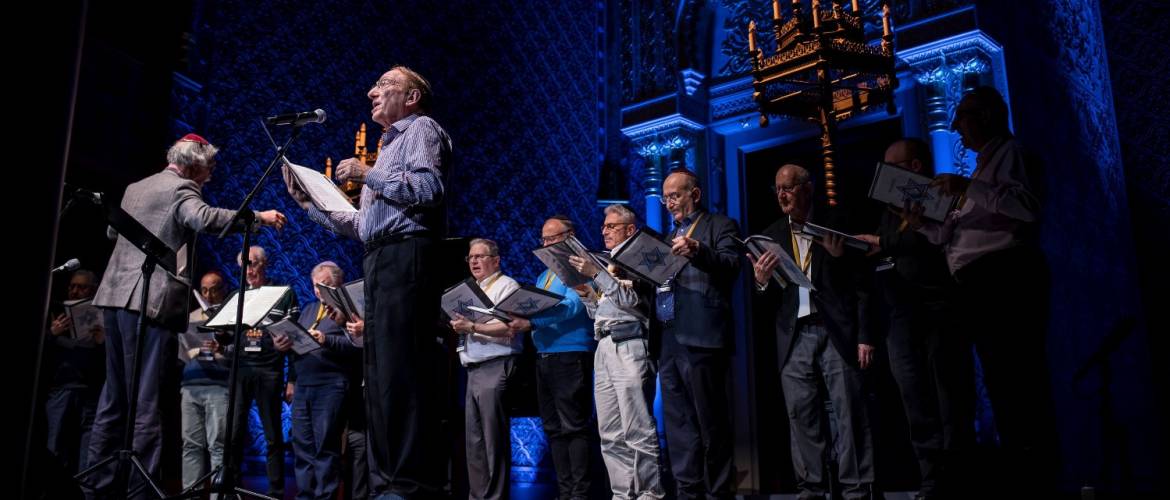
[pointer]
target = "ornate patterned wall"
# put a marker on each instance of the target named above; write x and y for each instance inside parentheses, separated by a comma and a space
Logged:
(515, 85)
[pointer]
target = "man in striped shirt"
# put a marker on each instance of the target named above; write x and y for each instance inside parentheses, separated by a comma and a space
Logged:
(400, 218)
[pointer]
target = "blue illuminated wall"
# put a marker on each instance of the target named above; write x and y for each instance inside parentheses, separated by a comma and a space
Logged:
(1063, 108)
(516, 87)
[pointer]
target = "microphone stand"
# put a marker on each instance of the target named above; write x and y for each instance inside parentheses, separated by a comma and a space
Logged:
(224, 478)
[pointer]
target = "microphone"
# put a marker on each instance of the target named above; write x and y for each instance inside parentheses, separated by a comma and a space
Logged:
(297, 119)
(71, 265)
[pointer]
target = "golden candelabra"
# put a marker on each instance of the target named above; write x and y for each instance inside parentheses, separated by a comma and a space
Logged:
(823, 70)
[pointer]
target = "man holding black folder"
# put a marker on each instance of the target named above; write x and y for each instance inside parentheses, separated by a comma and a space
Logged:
(697, 343)
(930, 359)
(992, 250)
(319, 382)
(489, 354)
(625, 371)
(563, 335)
(821, 335)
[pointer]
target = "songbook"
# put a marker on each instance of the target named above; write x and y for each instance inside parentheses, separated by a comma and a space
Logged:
(86, 318)
(302, 342)
(339, 299)
(258, 302)
(526, 301)
(900, 187)
(556, 257)
(357, 292)
(817, 232)
(787, 271)
(460, 299)
(193, 339)
(324, 194)
(648, 257)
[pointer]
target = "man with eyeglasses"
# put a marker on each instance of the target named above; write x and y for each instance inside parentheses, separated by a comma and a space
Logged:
(400, 220)
(992, 249)
(563, 335)
(823, 336)
(261, 376)
(625, 372)
(697, 343)
(930, 359)
(319, 383)
(203, 389)
(170, 205)
(490, 357)
(76, 381)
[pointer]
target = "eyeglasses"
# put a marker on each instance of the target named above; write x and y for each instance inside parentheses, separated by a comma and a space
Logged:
(477, 256)
(612, 226)
(383, 83)
(553, 238)
(672, 197)
(787, 189)
(209, 289)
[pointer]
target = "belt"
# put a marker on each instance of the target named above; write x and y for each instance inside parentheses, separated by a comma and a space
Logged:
(391, 239)
(813, 319)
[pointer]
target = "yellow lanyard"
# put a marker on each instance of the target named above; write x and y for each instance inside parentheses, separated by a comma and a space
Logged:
(694, 224)
(320, 315)
(806, 261)
(548, 281)
(488, 286)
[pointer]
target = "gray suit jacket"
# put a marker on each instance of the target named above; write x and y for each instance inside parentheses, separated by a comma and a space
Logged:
(172, 209)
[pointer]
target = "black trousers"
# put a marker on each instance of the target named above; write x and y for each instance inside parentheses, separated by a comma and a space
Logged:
(1004, 297)
(696, 405)
(266, 387)
(931, 361)
(404, 367)
(564, 385)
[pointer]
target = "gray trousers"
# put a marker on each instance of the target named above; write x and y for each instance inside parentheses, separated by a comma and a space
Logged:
(204, 414)
(813, 357)
(623, 385)
(487, 426)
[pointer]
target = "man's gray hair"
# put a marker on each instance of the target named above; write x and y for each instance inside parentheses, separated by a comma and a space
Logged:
(493, 248)
(261, 255)
(622, 211)
(186, 154)
(334, 270)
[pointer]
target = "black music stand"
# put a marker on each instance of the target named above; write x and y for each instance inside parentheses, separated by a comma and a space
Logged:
(157, 254)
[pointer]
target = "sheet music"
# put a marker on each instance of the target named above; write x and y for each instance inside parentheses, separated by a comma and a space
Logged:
(303, 343)
(257, 303)
(326, 196)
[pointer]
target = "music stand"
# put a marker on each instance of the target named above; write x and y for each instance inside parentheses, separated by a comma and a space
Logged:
(223, 480)
(157, 254)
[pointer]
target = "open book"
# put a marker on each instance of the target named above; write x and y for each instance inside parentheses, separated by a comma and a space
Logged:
(87, 319)
(900, 187)
(302, 342)
(258, 302)
(817, 232)
(786, 271)
(460, 298)
(324, 194)
(340, 299)
(648, 257)
(556, 257)
(525, 301)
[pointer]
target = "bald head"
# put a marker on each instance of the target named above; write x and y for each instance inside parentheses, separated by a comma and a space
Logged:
(912, 154)
(794, 191)
(556, 229)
